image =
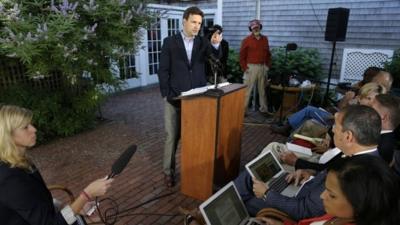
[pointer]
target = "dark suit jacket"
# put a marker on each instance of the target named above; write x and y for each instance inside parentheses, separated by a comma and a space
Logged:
(25, 199)
(175, 73)
(387, 145)
(304, 164)
(396, 165)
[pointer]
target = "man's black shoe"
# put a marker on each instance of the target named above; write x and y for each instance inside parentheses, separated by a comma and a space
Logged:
(283, 130)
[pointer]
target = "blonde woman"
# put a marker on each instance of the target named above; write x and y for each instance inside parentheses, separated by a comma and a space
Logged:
(24, 198)
(368, 92)
(365, 95)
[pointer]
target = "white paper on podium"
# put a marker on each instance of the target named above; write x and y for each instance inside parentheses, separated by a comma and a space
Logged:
(200, 90)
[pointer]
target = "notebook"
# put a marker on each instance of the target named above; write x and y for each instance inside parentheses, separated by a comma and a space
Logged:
(226, 208)
(302, 151)
(267, 168)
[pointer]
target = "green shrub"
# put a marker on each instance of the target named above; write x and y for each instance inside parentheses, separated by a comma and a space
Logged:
(55, 112)
(305, 62)
(72, 42)
(394, 68)
(72, 37)
(235, 73)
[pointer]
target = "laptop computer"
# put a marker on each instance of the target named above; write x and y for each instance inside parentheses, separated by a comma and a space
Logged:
(267, 168)
(226, 208)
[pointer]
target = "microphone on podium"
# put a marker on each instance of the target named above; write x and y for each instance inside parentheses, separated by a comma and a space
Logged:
(122, 161)
(214, 60)
(216, 66)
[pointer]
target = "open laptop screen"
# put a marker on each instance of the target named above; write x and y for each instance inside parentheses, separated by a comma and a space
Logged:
(265, 168)
(226, 208)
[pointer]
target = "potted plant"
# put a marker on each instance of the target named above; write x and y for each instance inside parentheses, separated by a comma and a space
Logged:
(304, 62)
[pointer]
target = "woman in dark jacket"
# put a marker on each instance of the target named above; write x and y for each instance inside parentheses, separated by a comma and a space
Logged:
(24, 197)
(221, 66)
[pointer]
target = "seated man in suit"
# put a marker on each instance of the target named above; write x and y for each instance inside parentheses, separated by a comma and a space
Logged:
(356, 131)
(388, 107)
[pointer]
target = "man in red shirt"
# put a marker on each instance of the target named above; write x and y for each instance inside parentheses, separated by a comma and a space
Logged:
(255, 61)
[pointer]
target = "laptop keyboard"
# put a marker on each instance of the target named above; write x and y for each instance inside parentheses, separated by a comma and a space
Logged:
(279, 184)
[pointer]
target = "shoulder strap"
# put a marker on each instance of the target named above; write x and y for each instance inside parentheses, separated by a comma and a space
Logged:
(276, 214)
(339, 221)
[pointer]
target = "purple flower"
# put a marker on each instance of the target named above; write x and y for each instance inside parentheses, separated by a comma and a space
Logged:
(64, 8)
(91, 7)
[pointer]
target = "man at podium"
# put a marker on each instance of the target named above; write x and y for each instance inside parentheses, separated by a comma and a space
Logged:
(182, 67)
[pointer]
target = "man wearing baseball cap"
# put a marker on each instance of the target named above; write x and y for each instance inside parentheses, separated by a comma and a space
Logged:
(255, 61)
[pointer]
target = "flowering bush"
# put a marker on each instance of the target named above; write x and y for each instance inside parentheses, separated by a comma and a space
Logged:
(73, 37)
(70, 41)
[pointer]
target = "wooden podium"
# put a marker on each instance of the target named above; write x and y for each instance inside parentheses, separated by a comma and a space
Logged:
(211, 128)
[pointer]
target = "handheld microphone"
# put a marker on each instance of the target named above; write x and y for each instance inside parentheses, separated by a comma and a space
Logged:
(213, 60)
(122, 161)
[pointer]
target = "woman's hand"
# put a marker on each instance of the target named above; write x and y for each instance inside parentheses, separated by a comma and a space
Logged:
(298, 176)
(98, 187)
(349, 95)
(259, 188)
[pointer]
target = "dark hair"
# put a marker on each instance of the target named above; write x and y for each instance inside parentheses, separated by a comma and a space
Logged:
(369, 74)
(192, 11)
(371, 188)
(211, 30)
(364, 122)
(392, 104)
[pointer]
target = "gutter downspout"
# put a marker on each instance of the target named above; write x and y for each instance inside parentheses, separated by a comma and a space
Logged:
(218, 14)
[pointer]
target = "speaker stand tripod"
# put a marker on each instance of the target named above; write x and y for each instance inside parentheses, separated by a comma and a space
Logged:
(326, 97)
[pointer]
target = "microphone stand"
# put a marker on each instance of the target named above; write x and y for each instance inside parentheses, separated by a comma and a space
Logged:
(215, 72)
(289, 47)
(283, 92)
(326, 96)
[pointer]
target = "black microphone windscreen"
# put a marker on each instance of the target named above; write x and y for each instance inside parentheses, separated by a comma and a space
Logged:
(123, 160)
(291, 46)
(213, 59)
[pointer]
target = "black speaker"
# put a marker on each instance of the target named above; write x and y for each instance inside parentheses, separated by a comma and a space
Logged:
(336, 24)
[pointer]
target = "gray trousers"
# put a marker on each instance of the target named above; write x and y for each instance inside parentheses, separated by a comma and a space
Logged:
(172, 123)
(256, 74)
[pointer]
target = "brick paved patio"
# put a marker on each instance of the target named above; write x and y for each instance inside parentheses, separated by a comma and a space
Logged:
(134, 117)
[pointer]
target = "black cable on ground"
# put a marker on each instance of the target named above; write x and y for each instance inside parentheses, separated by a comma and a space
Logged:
(111, 214)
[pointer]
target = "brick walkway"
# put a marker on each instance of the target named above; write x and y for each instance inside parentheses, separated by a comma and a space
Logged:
(134, 117)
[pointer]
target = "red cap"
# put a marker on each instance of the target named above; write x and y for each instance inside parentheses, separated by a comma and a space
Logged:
(254, 23)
